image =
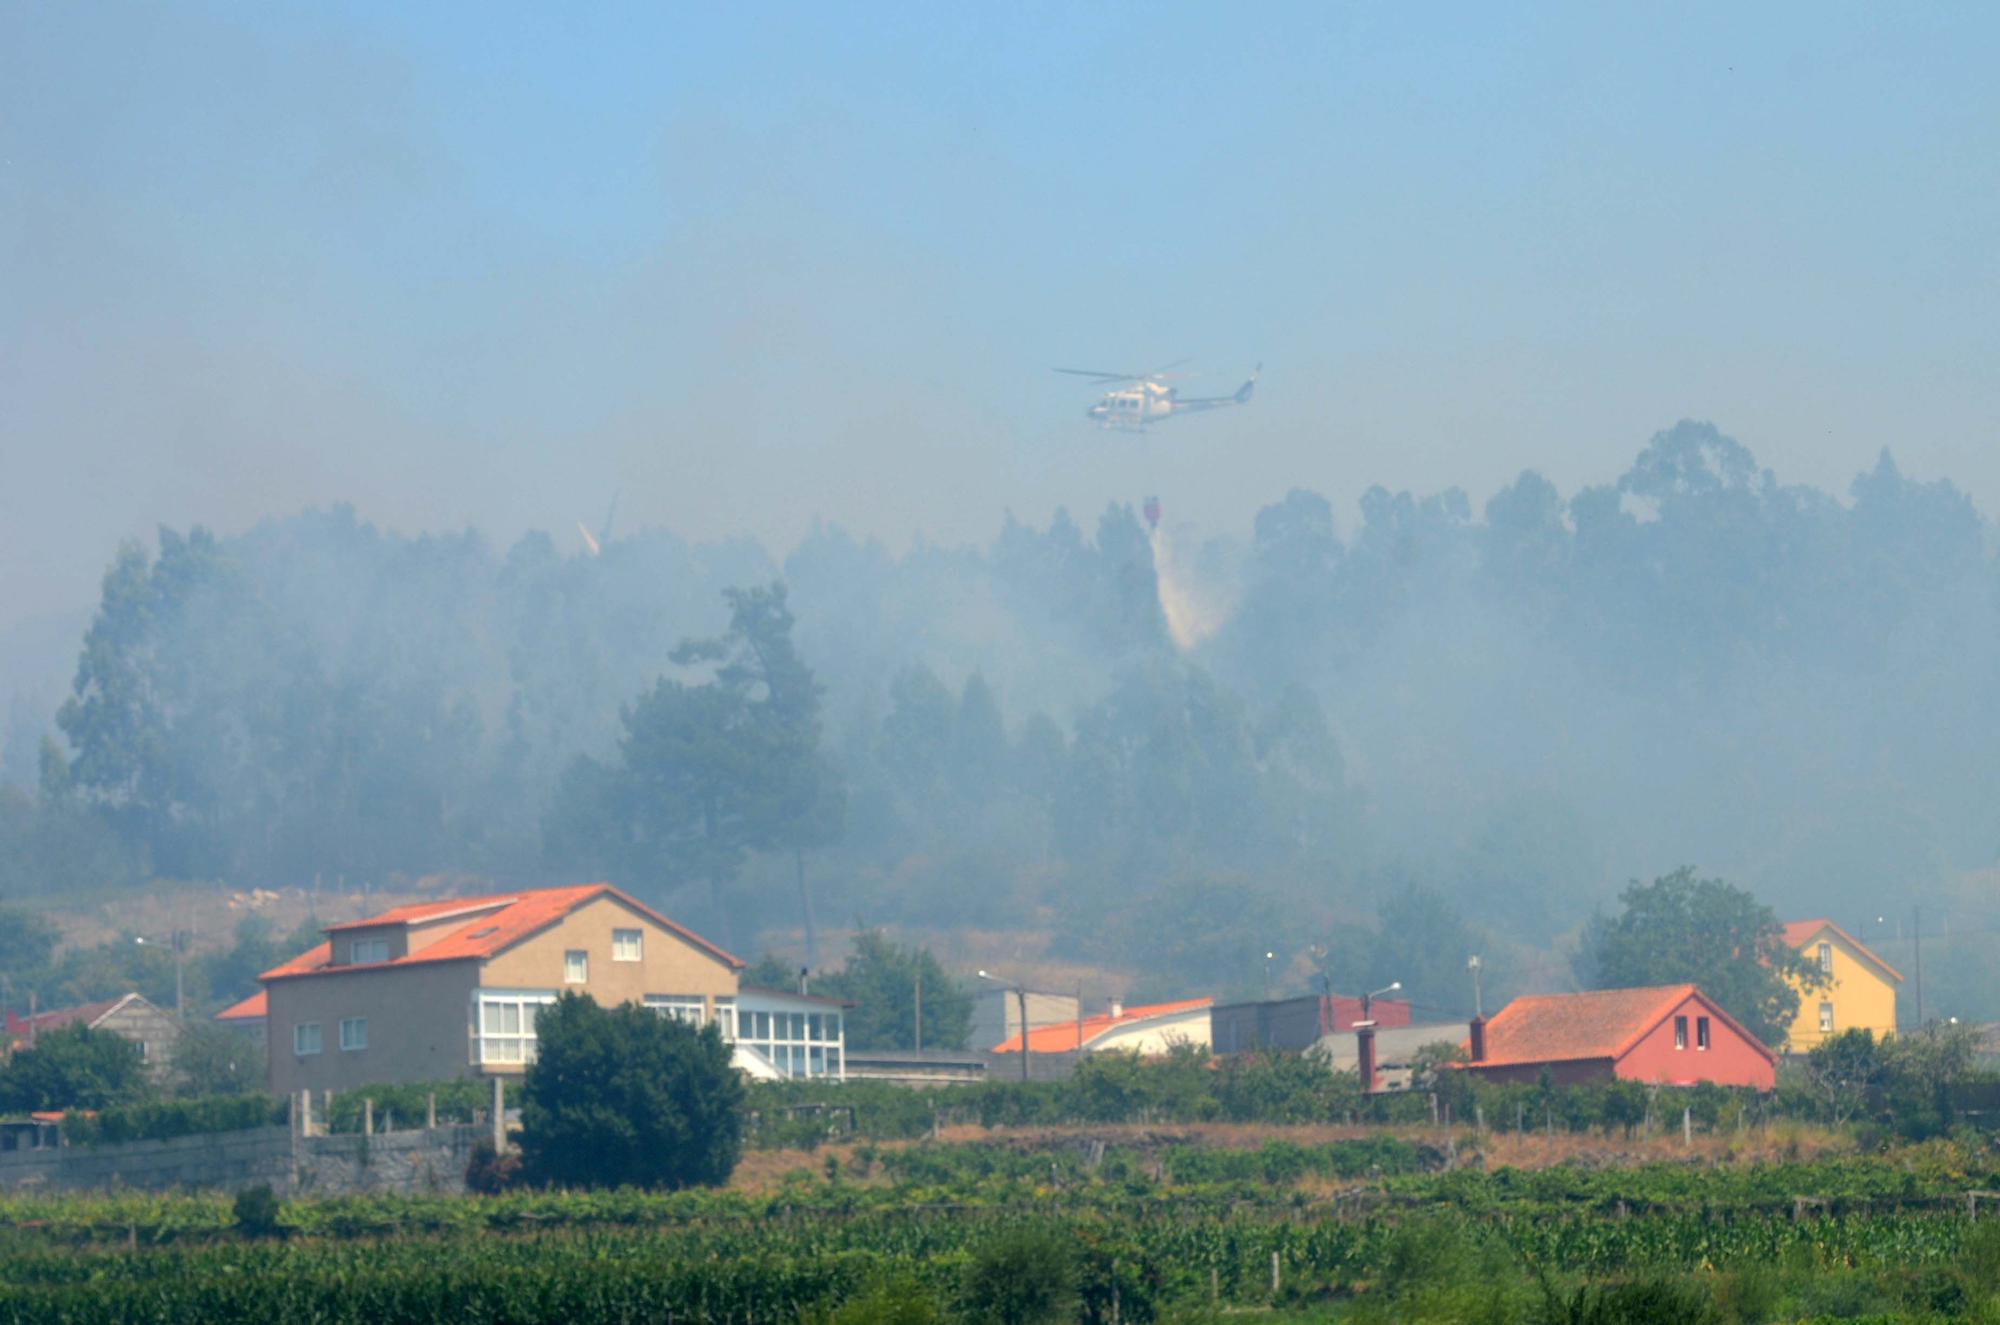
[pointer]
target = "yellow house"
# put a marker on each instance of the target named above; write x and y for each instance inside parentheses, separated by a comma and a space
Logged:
(1861, 993)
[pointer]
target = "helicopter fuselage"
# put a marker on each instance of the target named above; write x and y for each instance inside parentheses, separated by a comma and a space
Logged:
(1133, 407)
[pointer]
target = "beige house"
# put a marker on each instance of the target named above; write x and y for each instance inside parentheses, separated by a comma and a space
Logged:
(452, 988)
(133, 1016)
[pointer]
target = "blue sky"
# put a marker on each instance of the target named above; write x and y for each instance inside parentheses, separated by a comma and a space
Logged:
(753, 266)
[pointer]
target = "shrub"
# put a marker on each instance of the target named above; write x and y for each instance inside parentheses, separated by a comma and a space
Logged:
(170, 1118)
(1025, 1276)
(625, 1097)
(490, 1172)
(256, 1211)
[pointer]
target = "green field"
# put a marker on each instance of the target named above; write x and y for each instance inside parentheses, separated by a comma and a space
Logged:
(1367, 1229)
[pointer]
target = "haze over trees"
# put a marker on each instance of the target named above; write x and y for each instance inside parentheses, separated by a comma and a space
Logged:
(1503, 709)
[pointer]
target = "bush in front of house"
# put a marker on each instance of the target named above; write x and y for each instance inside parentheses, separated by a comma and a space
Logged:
(74, 1067)
(625, 1097)
(160, 1120)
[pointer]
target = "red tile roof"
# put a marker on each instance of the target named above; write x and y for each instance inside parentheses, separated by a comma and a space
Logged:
(492, 925)
(21, 1029)
(1601, 1023)
(1798, 933)
(251, 1008)
(87, 1013)
(1062, 1036)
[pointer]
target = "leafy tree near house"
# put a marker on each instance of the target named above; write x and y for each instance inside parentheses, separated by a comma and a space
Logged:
(881, 979)
(1705, 931)
(708, 772)
(770, 972)
(212, 1059)
(1842, 1069)
(74, 1067)
(624, 1097)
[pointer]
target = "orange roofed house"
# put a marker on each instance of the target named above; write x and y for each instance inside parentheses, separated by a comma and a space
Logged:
(452, 988)
(1671, 1035)
(1152, 1029)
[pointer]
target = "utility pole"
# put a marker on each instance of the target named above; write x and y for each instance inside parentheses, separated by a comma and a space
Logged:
(920, 1008)
(1021, 992)
(1918, 930)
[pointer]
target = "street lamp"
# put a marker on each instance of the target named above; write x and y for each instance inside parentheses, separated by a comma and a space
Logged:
(1268, 958)
(178, 942)
(1022, 994)
(1367, 999)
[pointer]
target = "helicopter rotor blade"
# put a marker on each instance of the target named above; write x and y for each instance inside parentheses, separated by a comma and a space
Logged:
(1102, 377)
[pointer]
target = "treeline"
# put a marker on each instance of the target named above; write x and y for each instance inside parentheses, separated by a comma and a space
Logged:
(1505, 713)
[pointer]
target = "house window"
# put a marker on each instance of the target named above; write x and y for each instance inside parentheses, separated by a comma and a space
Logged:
(797, 1044)
(362, 951)
(1826, 958)
(1826, 1018)
(681, 1007)
(1701, 1032)
(725, 1015)
(305, 1038)
(576, 967)
(1680, 1032)
(625, 945)
(504, 1025)
(353, 1033)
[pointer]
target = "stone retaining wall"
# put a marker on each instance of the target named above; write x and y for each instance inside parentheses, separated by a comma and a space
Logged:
(405, 1162)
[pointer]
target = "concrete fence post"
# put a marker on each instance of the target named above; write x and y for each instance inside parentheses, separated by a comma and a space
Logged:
(1687, 1127)
(367, 1117)
(499, 1116)
(326, 1112)
(431, 1112)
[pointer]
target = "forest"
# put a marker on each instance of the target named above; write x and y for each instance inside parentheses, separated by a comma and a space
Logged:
(1365, 750)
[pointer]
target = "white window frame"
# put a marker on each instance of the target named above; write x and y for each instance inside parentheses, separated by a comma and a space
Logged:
(1826, 1019)
(690, 1008)
(1702, 1037)
(1680, 1032)
(787, 1040)
(500, 1046)
(353, 1034)
(1826, 959)
(305, 1045)
(366, 952)
(628, 945)
(576, 967)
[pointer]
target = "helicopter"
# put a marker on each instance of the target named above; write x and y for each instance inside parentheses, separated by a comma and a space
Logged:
(1138, 399)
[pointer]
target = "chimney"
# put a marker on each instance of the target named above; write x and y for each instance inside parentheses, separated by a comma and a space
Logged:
(1117, 1008)
(1364, 1039)
(1478, 1029)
